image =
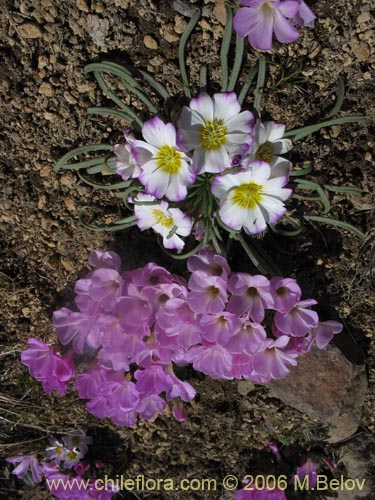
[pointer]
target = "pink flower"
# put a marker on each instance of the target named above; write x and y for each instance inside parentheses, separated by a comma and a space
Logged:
(309, 469)
(26, 463)
(299, 320)
(260, 18)
(325, 332)
(250, 295)
(304, 15)
(210, 263)
(207, 293)
(45, 365)
(272, 363)
(213, 360)
(286, 293)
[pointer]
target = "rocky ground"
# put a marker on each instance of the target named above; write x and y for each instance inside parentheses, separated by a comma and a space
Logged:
(44, 96)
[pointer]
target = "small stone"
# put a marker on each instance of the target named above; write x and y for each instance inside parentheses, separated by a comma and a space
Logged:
(45, 171)
(220, 12)
(179, 24)
(82, 5)
(169, 36)
(46, 89)
(244, 387)
(49, 116)
(368, 156)
(42, 62)
(361, 51)
(30, 31)
(150, 42)
(363, 17)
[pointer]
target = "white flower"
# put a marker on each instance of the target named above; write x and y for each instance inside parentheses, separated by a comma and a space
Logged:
(163, 220)
(165, 168)
(56, 451)
(72, 457)
(268, 145)
(125, 163)
(216, 130)
(77, 439)
(251, 199)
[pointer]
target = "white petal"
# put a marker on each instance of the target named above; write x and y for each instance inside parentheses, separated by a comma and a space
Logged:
(216, 160)
(241, 123)
(204, 106)
(275, 131)
(159, 134)
(226, 106)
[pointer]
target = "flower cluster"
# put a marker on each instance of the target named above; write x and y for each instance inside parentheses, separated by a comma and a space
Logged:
(259, 19)
(63, 469)
(133, 328)
(218, 163)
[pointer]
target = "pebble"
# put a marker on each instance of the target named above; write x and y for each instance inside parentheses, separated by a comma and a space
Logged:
(30, 31)
(150, 42)
(46, 89)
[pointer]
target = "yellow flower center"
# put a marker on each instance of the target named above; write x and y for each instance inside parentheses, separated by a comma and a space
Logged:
(169, 160)
(162, 219)
(71, 454)
(213, 135)
(59, 449)
(264, 152)
(247, 195)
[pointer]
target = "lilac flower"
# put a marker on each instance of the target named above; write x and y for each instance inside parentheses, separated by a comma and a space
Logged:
(125, 161)
(286, 293)
(53, 370)
(152, 380)
(272, 363)
(299, 320)
(325, 332)
(109, 259)
(249, 338)
(275, 450)
(251, 199)
(218, 327)
(309, 469)
(207, 293)
(150, 406)
(213, 360)
(26, 463)
(260, 18)
(304, 15)
(179, 411)
(250, 294)
(210, 263)
(72, 327)
(168, 222)
(216, 130)
(165, 168)
(265, 494)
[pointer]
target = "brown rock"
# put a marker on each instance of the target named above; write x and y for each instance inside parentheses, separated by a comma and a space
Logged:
(325, 385)
(150, 42)
(219, 12)
(30, 31)
(46, 89)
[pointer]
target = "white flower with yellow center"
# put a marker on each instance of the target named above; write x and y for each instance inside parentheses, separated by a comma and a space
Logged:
(168, 222)
(268, 145)
(251, 199)
(216, 130)
(165, 169)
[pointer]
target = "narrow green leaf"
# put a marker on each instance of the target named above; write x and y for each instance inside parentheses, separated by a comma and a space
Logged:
(63, 162)
(181, 50)
(237, 64)
(340, 99)
(249, 80)
(336, 222)
(300, 133)
(225, 44)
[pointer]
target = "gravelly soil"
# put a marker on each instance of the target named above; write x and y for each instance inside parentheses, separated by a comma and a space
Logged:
(44, 46)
